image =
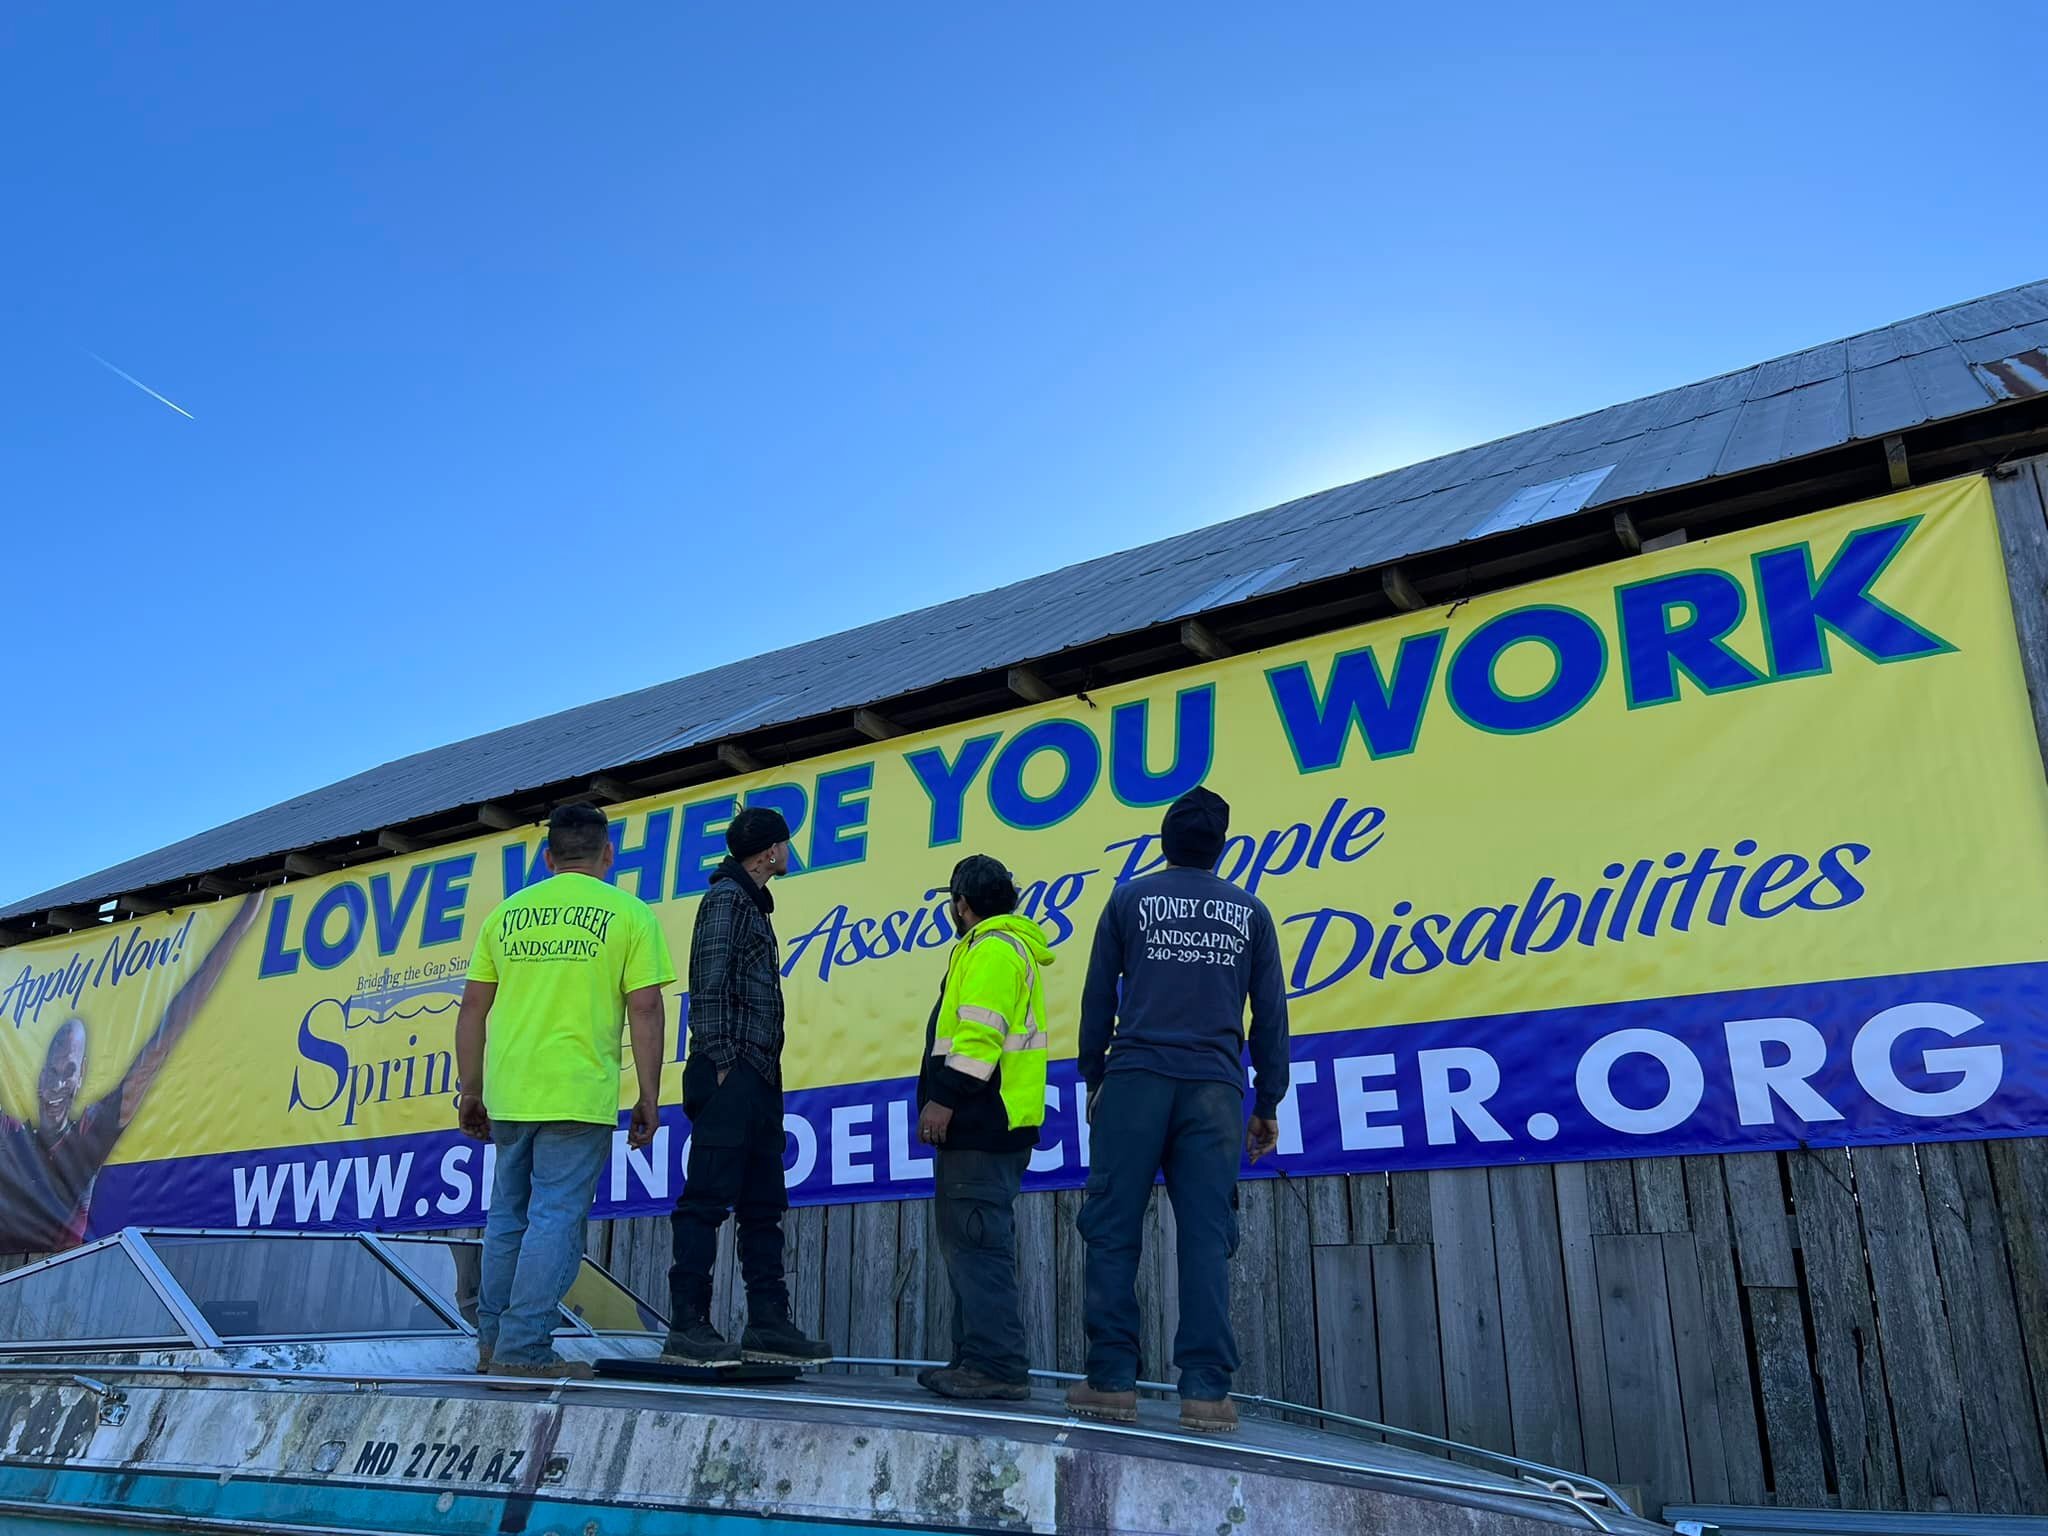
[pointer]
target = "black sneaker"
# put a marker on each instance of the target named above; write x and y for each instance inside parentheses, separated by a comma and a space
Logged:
(775, 1340)
(958, 1381)
(698, 1343)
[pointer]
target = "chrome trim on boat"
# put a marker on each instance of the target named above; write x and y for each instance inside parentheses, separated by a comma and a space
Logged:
(577, 1326)
(98, 1245)
(1328, 1415)
(132, 1346)
(555, 1388)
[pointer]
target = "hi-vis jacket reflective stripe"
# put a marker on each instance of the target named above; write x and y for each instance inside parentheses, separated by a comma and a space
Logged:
(991, 1023)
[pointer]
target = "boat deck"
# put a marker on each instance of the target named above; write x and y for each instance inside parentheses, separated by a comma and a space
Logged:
(203, 1382)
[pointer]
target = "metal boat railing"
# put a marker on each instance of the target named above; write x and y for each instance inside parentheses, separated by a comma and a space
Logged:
(1580, 1483)
(1529, 1488)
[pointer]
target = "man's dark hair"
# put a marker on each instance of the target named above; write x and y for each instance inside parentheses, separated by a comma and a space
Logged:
(986, 887)
(577, 832)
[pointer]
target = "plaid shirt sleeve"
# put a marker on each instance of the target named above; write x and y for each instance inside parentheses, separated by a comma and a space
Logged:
(711, 956)
(735, 985)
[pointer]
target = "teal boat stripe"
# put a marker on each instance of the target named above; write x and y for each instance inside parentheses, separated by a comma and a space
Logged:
(95, 1500)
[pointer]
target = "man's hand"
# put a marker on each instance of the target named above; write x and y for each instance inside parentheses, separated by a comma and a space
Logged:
(471, 1116)
(933, 1124)
(1093, 1095)
(646, 1121)
(1261, 1137)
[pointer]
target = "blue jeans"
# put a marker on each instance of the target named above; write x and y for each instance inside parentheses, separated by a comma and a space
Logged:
(1194, 1132)
(541, 1192)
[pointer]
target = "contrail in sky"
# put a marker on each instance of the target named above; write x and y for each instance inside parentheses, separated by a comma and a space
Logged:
(139, 384)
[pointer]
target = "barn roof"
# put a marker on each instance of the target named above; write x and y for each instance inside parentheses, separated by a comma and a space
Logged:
(1937, 368)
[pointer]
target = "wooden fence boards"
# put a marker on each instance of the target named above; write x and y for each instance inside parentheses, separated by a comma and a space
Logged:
(1254, 1291)
(1152, 1348)
(1347, 1342)
(1329, 1210)
(1372, 1211)
(1468, 1308)
(728, 1299)
(1642, 1366)
(1582, 1316)
(1919, 1353)
(1969, 1245)
(1660, 1195)
(1160, 1299)
(917, 1253)
(1408, 1202)
(1038, 1278)
(871, 1323)
(1798, 1455)
(938, 1292)
(1404, 1314)
(1699, 1391)
(1541, 1381)
(1846, 1346)
(1761, 1223)
(803, 1266)
(1294, 1294)
(2019, 1172)
(836, 1309)
(1611, 1197)
(1721, 1317)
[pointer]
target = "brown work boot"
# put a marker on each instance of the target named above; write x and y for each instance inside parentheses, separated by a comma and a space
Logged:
(1208, 1416)
(1090, 1402)
(959, 1381)
(483, 1359)
(545, 1370)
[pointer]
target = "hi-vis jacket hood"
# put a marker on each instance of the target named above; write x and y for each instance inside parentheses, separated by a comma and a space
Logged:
(986, 1048)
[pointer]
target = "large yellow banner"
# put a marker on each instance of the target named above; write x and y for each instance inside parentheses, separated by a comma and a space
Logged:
(1738, 844)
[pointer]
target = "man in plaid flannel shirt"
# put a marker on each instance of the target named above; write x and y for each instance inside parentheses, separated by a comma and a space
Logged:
(732, 1092)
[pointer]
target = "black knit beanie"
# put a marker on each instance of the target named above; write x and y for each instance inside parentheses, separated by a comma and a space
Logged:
(1196, 825)
(755, 829)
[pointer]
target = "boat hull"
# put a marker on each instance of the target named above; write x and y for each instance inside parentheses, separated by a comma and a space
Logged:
(302, 1452)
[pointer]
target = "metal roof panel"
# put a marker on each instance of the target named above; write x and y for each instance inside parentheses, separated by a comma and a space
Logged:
(1800, 370)
(1681, 454)
(1882, 399)
(1907, 338)
(1946, 385)
(1998, 312)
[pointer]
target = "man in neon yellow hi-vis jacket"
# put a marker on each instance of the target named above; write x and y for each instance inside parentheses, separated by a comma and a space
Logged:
(982, 1098)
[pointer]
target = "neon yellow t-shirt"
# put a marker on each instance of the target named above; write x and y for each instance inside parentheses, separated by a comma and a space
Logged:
(564, 953)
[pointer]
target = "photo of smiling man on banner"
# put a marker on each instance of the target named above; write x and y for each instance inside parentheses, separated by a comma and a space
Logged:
(48, 1165)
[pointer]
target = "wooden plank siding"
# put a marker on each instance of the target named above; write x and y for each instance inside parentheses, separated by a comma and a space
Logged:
(1866, 1328)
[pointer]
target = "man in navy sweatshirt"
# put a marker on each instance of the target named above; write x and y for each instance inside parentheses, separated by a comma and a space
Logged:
(1163, 1058)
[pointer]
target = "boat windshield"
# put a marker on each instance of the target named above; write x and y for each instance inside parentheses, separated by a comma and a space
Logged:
(192, 1289)
(451, 1267)
(250, 1288)
(94, 1297)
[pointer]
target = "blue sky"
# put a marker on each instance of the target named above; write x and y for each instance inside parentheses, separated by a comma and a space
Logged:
(676, 333)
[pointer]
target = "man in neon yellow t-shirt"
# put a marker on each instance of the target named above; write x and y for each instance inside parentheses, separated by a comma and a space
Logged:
(557, 966)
